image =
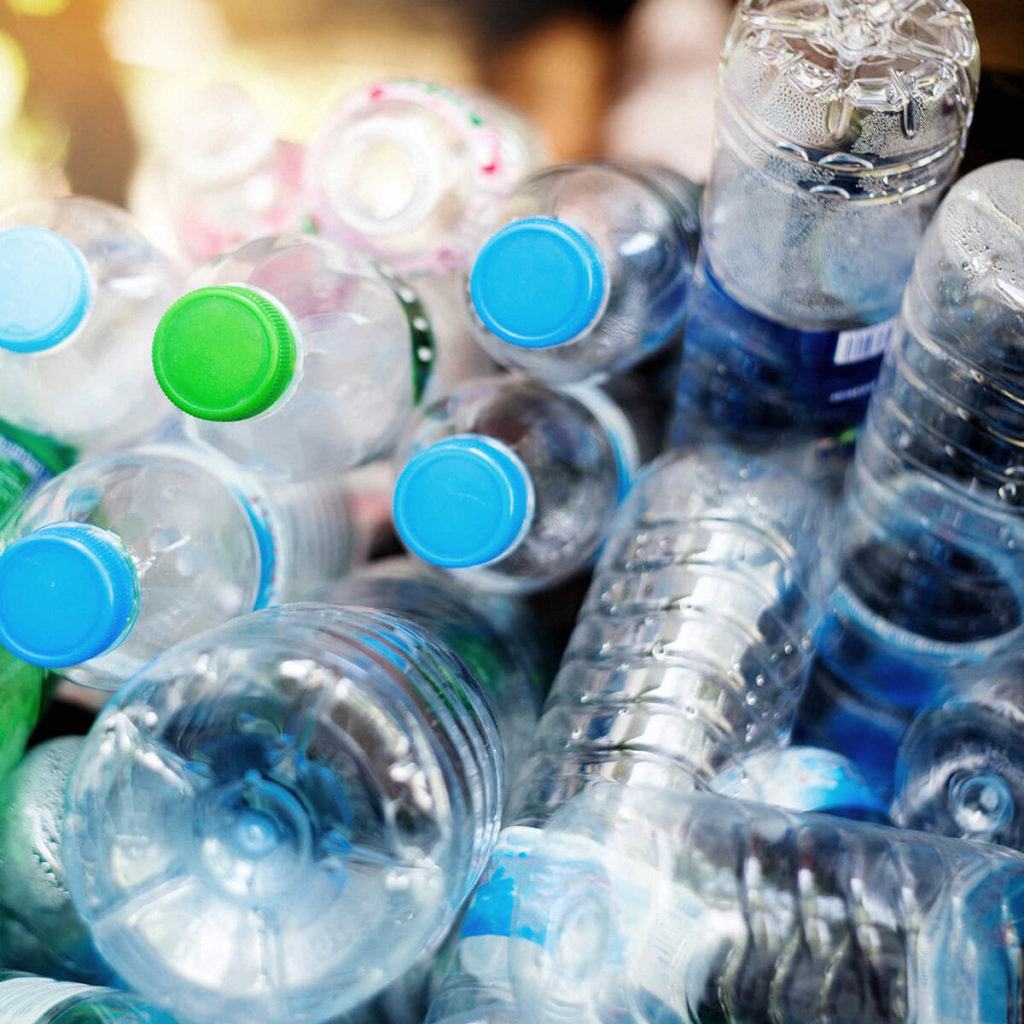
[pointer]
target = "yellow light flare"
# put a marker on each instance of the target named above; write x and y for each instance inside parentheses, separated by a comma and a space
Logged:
(13, 80)
(38, 8)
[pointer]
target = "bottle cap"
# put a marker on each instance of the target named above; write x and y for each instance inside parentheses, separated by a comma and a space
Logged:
(224, 353)
(464, 501)
(68, 592)
(537, 282)
(45, 289)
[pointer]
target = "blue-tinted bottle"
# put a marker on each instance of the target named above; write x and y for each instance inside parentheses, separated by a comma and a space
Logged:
(838, 127)
(931, 540)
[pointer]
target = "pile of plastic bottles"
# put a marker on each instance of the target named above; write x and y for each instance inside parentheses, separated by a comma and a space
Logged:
(776, 772)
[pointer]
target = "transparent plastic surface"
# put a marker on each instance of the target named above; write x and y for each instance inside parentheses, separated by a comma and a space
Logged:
(931, 570)
(207, 541)
(649, 908)
(411, 171)
(577, 462)
(40, 931)
(95, 390)
(225, 176)
(503, 644)
(21, 700)
(29, 999)
(693, 641)
(643, 221)
(960, 769)
(276, 819)
(839, 126)
(354, 383)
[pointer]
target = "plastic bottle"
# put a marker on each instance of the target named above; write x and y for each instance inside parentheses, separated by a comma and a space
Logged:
(80, 293)
(411, 171)
(21, 701)
(931, 553)
(512, 485)
(274, 820)
(40, 931)
(222, 175)
(691, 647)
(649, 908)
(296, 358)
(802, 778)
(27, 999)
(839, 126)
(587, 270)
(122, 556)
(960, 767)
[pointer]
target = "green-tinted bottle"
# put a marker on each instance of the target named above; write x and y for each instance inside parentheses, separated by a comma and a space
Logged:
(28, 999)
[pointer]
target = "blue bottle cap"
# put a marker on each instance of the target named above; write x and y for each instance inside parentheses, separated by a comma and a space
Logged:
(467, 500)
(537, 282)
(68, 592)
(45, 289)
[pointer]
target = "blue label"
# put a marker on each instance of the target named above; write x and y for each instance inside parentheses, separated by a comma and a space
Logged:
(747, 372)
(266, 541)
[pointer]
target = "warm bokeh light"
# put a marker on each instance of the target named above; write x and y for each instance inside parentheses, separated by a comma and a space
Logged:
(38, 8)
(13, 80)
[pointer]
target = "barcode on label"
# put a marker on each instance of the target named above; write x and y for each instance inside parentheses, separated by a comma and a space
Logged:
(862, 343)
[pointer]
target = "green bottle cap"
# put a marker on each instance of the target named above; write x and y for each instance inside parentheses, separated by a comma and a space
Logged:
(224, 353)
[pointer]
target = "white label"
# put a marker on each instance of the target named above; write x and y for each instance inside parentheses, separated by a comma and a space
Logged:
(26, 1000)
(854, 346)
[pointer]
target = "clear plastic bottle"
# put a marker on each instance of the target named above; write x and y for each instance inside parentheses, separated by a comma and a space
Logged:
(274, 820)
(222, 175)
(28, 999)
(691, 646)
(81, 291)
(411, 171)
(839, 126)
(693, 641)
(587, 271)
(802, 778)
(295, 357)
(931, 552)
(40, 931)
(512, 485)
(960, 767)
(122, 556)
(653, 908)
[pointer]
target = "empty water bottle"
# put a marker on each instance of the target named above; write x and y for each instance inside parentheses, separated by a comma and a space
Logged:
(40, 931)
(122, 556)
(81, 291)
(802, 778)
(588, 269)
(28, 999)
(411, 171)
(296, 358)
(960, 770)
(221, 175)
(931, 553)
(21, 700)
(839, 126)
(512, 485)
(273, 821)
(691, 646)
(687, 908)
(26, 462)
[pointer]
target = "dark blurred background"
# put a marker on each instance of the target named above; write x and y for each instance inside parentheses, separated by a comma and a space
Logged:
(86, 84)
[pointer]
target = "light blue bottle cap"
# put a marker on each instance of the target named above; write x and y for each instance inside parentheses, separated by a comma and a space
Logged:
(537, 282)
(68, 593)
(45, 289)
(464, 501)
